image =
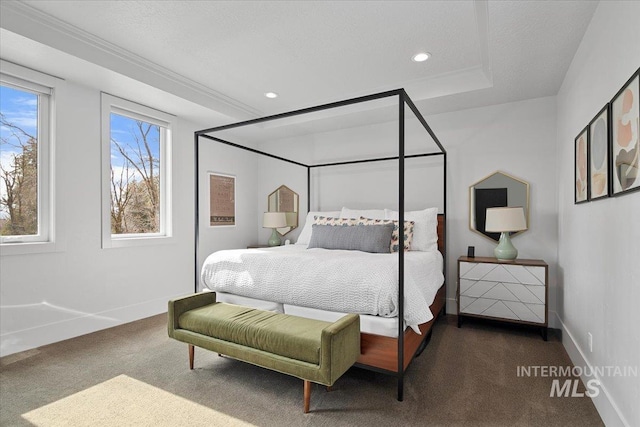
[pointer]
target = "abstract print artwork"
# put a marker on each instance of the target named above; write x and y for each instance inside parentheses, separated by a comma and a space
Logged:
(625, 143)
(581, 166)
(598, 155)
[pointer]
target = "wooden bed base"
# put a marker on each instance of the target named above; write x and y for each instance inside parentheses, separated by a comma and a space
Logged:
(381, 353)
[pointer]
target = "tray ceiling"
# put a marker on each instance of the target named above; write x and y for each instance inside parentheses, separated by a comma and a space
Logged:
(226, 55)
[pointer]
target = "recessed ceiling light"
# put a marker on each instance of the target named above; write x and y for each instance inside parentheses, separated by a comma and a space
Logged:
(421, 57)
(271, 95)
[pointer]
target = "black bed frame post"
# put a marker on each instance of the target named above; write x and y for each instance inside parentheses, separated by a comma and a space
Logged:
(444, 210)
(442, 152)
(401, 98)
(196, 139)
(308, 189)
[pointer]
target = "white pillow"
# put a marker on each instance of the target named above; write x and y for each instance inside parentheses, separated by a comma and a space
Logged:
(367, 213)
(425, 229)
(305, 234)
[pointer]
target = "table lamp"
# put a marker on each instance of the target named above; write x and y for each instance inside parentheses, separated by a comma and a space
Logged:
(504, 221)
(274, 220)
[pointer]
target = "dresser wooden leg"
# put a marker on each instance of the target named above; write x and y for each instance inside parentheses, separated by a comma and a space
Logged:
(191, 354)
(307, 395)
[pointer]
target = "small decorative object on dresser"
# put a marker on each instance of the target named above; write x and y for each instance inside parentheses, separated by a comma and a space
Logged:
(514, 292)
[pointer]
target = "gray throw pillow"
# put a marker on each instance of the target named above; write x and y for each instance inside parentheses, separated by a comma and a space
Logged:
(365, 238)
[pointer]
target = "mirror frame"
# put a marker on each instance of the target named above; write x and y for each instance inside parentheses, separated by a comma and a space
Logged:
(472, 203)
(296, 200)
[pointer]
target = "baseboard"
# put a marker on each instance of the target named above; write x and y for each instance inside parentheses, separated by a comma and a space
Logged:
(605, 405)
(27, 339)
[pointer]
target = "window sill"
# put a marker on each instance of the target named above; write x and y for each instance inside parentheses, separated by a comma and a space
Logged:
(26, 248)
(126, 242)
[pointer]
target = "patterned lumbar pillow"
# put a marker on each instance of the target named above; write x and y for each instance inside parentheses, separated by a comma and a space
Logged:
(425, 231)
(326, 220)
(395, 236)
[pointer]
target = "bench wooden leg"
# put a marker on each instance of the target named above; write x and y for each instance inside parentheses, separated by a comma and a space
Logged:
(307, 395)
(191, 353)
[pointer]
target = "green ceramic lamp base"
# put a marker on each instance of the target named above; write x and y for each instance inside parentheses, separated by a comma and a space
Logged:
(274, 240)
(505, 249)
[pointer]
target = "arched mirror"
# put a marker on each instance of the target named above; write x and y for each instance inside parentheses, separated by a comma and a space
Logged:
(284, 199)
(496, 190)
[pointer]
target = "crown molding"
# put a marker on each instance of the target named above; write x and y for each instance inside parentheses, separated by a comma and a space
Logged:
(32, 23)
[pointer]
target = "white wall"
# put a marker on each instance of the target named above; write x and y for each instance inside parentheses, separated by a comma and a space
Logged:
(375, 185)
(256, 177)
(519, 139)
(81, 287)
(219, 158)
(370, 185)
(599, 251)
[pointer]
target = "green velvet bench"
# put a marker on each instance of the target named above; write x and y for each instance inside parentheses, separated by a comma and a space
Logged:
(312, 350)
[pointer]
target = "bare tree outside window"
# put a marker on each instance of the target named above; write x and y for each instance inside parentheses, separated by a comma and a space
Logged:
(18, 162)
(135, 176)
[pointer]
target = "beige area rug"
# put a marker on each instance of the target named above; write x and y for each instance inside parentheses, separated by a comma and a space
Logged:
(124, 401)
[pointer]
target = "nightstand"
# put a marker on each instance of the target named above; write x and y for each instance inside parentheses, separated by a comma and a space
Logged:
(508, 291)
(257, 246)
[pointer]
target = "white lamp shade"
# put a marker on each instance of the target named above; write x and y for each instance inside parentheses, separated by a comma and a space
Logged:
(274, 220)
(505, 219)
(291, 218)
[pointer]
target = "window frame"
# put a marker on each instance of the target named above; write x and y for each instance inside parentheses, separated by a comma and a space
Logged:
(45, 87)
(112, 104)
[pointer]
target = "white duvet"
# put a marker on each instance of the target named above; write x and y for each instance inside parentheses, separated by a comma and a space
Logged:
(334, 280)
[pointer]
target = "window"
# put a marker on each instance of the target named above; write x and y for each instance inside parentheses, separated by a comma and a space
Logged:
(25, 145)
(136, 143)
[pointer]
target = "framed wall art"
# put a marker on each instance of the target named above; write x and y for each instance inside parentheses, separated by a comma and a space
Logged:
(599, 155)
(581, 178)
(222, 200)
(625, 143)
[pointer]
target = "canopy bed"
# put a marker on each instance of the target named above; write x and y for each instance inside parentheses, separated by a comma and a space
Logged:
(416, 277)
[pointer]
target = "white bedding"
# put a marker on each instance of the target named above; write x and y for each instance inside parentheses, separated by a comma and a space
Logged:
(376, 325)
(334, 280)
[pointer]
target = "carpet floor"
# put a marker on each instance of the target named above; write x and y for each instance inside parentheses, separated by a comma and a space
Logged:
(134, 375)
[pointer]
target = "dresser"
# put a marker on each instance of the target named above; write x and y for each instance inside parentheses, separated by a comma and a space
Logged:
(509, 291)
